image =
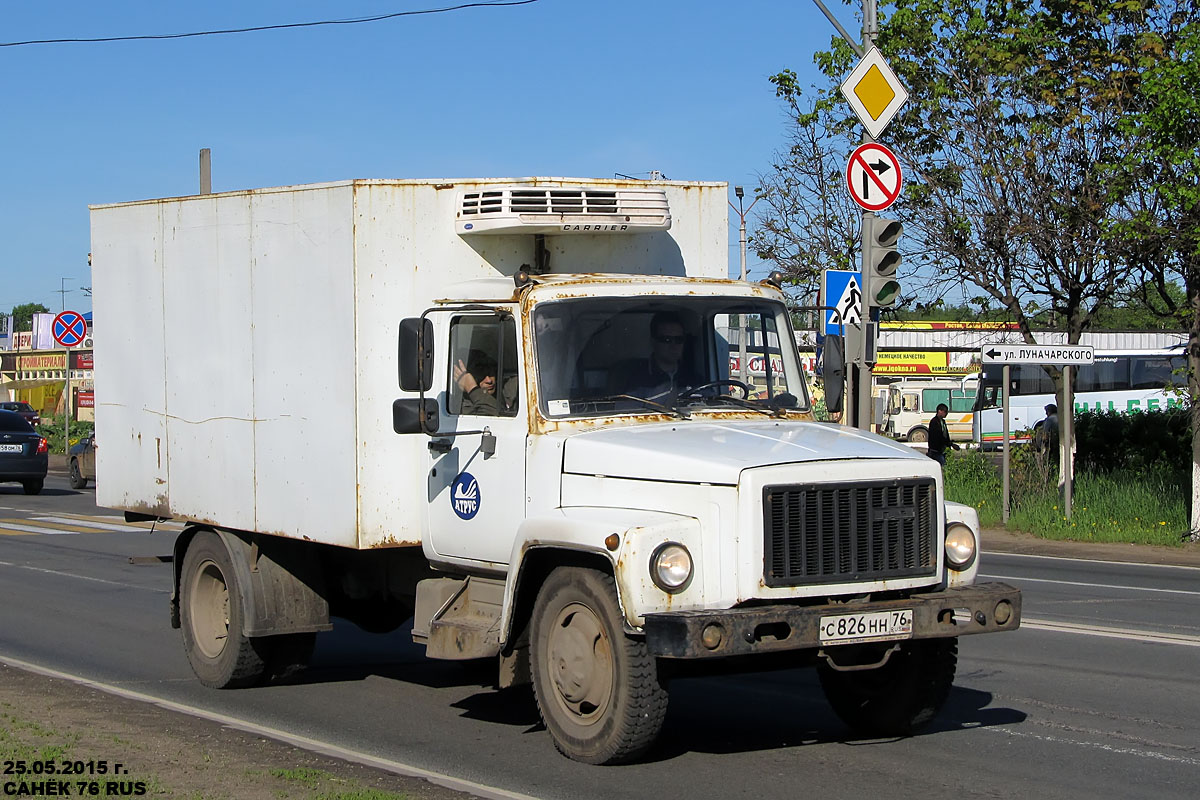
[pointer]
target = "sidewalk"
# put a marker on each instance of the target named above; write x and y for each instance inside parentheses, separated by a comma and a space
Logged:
(997, 540)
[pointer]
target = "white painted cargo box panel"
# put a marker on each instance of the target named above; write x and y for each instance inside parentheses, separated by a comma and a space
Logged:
(228, 371)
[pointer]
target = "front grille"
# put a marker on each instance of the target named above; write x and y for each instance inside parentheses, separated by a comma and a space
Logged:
(822, 533)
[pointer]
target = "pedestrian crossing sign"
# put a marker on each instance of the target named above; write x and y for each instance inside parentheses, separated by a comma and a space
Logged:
(842, 293)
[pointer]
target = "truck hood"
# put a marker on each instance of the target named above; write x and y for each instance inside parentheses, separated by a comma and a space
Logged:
(717, 452)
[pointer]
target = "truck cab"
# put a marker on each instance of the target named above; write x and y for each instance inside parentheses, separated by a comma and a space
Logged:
(706, 517)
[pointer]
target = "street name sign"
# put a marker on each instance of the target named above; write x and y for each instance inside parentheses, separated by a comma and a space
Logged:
(1069, 355)
(874, 92)
(873, 176)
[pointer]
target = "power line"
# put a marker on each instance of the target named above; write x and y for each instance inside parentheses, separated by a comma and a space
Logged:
(352, 21)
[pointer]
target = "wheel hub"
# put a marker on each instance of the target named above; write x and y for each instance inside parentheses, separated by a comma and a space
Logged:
(581, 662)
(210, 609)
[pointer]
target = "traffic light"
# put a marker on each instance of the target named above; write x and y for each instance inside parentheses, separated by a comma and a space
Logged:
(879, 238)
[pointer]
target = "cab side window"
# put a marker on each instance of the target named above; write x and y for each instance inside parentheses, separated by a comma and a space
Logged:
(483, 367)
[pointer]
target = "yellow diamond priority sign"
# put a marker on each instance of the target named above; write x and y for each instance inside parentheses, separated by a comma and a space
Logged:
(874, 92)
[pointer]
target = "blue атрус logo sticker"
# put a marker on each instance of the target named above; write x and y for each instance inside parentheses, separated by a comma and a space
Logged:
(464, 495)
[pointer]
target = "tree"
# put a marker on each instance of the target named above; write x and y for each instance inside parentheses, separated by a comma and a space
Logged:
(1163, 223)
(1011, 144)
(821, 232)
(23, 315)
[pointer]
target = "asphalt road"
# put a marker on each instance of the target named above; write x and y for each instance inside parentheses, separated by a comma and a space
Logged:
(1095, 697)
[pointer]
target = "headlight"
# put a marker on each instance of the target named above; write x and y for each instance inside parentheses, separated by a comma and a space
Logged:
(671, 567)
(960, 547)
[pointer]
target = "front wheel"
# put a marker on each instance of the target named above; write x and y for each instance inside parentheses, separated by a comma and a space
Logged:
(597, 689)
(918, 435)
(901, 696)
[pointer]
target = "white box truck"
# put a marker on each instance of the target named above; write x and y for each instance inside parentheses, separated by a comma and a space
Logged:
(504, 409)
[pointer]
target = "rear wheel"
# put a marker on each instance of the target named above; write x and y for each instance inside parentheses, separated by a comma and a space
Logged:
(597, 689)
(211, 618)
(33, 486)
(918, 435)
(77, 479)
(899, 697)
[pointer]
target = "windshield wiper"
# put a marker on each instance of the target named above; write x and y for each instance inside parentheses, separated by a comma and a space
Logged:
(737, 401)
(647, 403)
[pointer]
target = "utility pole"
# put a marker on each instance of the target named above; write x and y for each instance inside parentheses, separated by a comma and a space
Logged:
(870, 30)
(743, 332)
(64, 291)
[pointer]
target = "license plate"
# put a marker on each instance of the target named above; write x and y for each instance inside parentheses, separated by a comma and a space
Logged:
(12, 448)
(875, 626)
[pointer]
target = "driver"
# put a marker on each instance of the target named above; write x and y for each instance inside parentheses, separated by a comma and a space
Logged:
(662, 375)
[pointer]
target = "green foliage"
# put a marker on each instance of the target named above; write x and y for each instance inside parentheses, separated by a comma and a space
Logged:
(1132, 482)
(52, 429)
(1140, 507)
(23, 315)
(971, 478)
(1107, 441)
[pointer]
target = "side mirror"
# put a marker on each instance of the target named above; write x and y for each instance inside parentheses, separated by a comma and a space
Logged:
(408, 416)
(414, 355)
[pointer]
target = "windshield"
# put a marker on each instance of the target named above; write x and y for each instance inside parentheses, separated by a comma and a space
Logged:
(599, 356)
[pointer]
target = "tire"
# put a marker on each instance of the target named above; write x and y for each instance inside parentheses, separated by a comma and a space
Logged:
(597, 689)
(211, 619)
(77, 479)
(898, 698)
(918, 435)
(33, 486)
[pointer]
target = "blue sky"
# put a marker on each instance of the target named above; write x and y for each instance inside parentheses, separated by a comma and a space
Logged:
(558, 87)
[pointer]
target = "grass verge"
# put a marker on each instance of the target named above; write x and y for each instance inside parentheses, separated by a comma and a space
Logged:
(58, 738)
(1122, 506)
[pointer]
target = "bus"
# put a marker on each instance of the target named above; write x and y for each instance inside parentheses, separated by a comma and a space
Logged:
(912, 401)
(1125, 381)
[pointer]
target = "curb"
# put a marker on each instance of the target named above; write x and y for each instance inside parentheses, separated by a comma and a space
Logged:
(998, 540)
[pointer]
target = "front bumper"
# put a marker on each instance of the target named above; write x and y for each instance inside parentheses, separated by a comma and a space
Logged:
(764, 629)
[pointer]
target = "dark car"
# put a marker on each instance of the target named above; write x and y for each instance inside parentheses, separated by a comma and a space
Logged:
(83, 462)
(24, 453)
(24, 409)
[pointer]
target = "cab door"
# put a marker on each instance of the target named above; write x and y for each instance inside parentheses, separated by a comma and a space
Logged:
(477, 499)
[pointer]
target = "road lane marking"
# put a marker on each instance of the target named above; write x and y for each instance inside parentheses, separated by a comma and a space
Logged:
(304, 742)
(88, 523)
(14, 527)
(1185, 639)
(990, 553)
(1108, 748)
(57, 525)
(80, 577)
(1092, 585)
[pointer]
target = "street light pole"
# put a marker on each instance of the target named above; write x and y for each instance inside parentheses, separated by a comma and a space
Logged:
(742, 334)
